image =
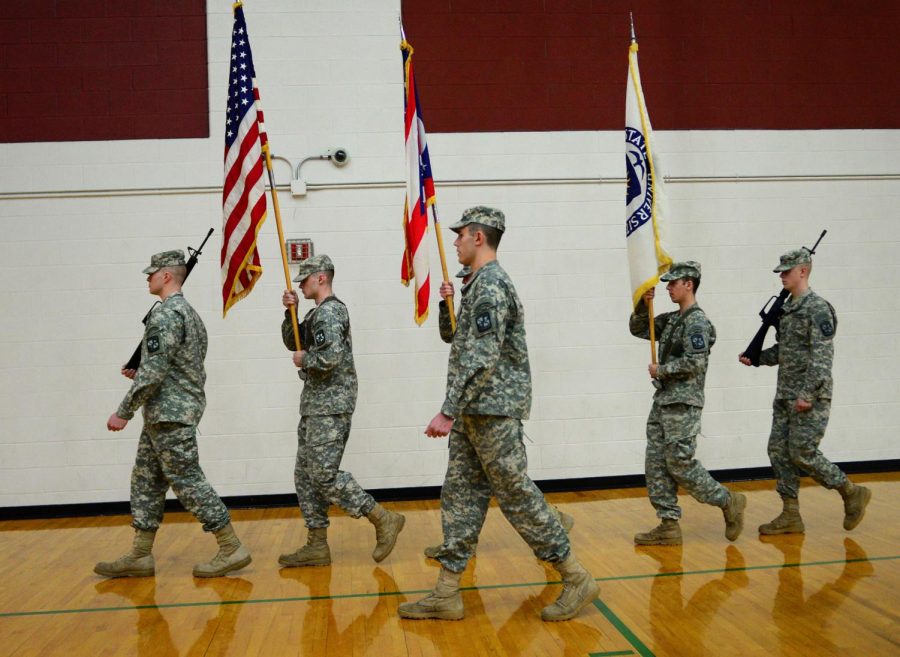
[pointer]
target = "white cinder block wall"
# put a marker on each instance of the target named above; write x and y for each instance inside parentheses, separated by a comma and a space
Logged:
(73, 295)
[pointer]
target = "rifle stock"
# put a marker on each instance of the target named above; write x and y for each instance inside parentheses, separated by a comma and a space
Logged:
(135, 360)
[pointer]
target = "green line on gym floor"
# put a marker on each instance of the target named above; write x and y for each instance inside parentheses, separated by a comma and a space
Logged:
(624, 630)
(313, 598)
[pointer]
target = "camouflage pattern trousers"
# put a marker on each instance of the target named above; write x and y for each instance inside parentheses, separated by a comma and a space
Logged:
(671, 443)
(487, 457)
(319, 481)
(167, 456)
(794, 447)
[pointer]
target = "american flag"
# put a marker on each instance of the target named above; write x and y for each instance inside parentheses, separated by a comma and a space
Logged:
(244, 192)
(419, 191)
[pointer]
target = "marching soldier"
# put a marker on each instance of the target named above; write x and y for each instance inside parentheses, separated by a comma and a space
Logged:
(804, 352)
(488, 395)
(446, 331)
(169, 385)
(686, 338)
(326, 408)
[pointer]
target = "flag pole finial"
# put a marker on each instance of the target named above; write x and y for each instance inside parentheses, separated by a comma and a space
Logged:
(631, 19)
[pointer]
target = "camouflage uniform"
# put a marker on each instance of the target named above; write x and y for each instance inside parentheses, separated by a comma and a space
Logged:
(488, 395)
(804, 352)
(685, 341)
(326, 408)
(169, 386)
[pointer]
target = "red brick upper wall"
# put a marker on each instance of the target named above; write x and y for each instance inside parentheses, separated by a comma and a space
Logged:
(73, 70)
(501, 65)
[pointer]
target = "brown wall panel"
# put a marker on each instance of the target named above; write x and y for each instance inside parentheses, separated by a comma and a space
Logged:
(561, 64)
(73, 70)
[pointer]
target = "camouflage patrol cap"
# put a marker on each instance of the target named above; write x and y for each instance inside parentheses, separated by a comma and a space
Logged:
(678, 270)
(793, 258)
(313, 265)
(165, 259)
(483, 215)
(465, 271)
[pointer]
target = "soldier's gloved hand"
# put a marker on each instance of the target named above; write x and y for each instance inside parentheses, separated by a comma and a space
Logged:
(115, 423)
(289, 298)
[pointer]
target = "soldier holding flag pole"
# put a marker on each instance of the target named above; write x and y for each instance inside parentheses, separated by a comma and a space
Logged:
(686, 340)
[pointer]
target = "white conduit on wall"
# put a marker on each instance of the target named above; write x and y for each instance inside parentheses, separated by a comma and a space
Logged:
(166, 191)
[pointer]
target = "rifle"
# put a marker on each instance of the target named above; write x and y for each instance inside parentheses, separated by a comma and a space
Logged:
(135, 359)
(771, 314)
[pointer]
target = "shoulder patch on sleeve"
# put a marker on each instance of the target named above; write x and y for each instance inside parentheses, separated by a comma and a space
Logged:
(485, 320)
(153, 344)
(698, 342)
(825, 324)
(320, 337)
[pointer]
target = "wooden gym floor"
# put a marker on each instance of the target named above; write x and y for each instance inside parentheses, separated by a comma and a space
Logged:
(829, 592)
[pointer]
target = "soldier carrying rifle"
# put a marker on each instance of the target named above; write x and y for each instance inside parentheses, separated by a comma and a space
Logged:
(804, 351)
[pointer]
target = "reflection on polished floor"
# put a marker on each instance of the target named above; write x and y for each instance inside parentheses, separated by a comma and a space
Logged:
(828, 592)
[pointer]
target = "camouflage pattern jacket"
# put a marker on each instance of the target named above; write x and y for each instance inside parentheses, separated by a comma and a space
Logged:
(169, 381)
(804, 350)
(488, 372)
(328, 371)
(684, 345)
(444, 327)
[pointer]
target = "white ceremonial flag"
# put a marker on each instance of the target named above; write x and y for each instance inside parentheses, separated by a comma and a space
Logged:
(645, 210)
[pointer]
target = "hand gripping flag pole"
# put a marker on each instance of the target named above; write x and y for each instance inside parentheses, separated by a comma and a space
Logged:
(440, 242)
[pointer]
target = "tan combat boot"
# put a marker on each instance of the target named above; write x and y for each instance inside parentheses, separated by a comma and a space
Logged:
(565, 519)
(734, 515)
(579, 590)
(443, 603)
(315, 553)
(667, 532)
(856, 499)
(231, 555)
(137, 563)
(387, 528)
(434, 551)
(788, 521)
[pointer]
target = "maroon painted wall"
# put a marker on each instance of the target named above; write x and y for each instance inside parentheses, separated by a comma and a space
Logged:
(74, 70)
(497, 65)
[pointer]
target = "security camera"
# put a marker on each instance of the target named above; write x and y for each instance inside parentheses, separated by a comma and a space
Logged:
(339, 157)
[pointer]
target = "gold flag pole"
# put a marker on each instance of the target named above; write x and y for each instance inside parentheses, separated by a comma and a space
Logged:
(652, 332)
(284, 261)
(440, 242)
